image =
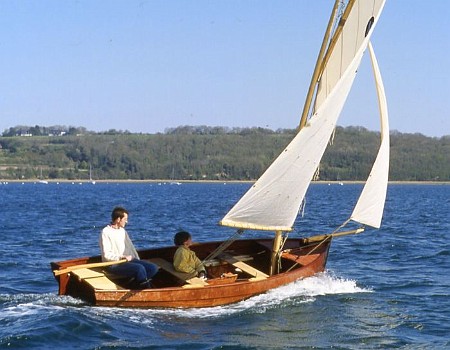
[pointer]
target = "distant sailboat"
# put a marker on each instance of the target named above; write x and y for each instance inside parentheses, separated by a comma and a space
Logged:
(240, 268)
(172, 178)
(41, 178)
(90, 175)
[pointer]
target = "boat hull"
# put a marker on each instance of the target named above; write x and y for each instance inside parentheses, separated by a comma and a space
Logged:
(299, 260)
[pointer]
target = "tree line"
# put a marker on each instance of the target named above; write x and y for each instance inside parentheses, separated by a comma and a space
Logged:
(207, 153)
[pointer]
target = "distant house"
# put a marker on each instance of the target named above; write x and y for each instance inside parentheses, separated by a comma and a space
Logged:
(57, 133)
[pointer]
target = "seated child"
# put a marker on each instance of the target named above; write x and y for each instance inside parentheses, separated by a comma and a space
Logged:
(184, 259)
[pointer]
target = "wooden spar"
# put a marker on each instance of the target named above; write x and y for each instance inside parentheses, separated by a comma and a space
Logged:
(318, 68)
(337, 33)
(337, 234)
(275, 251)
(323, 59)
(87, 266)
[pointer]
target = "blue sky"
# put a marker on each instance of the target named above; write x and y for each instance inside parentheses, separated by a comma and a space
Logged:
(145, 66)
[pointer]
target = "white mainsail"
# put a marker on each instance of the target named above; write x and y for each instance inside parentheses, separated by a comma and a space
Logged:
(370, 205)
(359, 17)
(272, 203)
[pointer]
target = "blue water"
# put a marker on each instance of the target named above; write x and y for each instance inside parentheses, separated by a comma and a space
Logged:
(386, 288)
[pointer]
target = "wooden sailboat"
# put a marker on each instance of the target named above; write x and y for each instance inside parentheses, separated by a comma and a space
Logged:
(240, 268)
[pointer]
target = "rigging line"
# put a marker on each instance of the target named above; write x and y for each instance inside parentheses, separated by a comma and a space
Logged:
(342, 226)
(302, 207)
(278, 256)
(312, 250)
(299, 249)
(224, 245)
(331, 142)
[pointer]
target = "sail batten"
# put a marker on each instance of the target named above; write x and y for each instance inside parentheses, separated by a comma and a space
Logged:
(273, 202)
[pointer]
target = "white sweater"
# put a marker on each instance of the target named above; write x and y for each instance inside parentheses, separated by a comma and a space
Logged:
(115, 244)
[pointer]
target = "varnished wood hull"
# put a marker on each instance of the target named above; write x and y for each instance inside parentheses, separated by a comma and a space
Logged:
(298, 261)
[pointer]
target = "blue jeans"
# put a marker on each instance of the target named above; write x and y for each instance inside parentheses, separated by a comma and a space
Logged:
(140, 270)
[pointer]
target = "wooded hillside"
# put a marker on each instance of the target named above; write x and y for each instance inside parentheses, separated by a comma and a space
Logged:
(206, 153)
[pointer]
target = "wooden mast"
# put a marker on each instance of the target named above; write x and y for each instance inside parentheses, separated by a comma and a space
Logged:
(318, 68)
(275, 252)
(324, 55)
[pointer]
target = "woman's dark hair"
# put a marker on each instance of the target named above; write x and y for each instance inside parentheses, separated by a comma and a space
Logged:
(118, 212)
(181, 237)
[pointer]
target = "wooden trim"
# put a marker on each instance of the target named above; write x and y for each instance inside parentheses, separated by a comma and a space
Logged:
(84, 266)
(257, 274)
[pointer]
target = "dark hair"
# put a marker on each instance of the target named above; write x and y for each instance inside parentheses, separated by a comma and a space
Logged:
(181, 237)
(118, 212)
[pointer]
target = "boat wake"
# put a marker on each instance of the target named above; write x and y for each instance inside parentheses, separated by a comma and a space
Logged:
(19, 305)
(299, 292)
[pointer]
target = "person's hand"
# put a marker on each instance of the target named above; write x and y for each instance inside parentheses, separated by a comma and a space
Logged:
(128, 257)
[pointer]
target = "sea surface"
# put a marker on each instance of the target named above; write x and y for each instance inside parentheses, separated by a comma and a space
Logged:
(383, 289)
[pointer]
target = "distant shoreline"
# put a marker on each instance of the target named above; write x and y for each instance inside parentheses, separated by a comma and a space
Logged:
(211, 181)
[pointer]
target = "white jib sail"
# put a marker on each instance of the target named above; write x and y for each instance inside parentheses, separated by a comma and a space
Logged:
(272, 203)
(370, 205)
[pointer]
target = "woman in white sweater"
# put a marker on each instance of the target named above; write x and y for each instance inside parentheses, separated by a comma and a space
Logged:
(115, 245)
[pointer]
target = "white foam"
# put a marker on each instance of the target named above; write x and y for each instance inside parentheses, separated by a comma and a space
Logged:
(326, 283)
(301, 291)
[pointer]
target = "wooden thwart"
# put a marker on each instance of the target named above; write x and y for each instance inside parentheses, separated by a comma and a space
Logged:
(87, 273)
(96, 279)
(187, 277)
(233, 260)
